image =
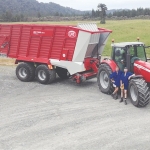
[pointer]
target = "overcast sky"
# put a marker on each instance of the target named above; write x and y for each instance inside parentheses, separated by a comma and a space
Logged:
(111, 4)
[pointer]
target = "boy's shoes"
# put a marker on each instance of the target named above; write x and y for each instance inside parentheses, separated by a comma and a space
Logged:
(112, 95)
(121, 100)
(125, 102)
(116, 97)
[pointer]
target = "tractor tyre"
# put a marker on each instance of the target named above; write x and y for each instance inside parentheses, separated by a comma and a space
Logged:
(62, 73)
(139, 92)
(44, 75)
(25, 72)
(103, 79)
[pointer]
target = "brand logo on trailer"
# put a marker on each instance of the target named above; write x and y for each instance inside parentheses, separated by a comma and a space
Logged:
(72, 34)
(38, 32)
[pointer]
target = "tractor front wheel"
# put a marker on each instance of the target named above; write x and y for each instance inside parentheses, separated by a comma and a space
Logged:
(103, 79)
(139, 92)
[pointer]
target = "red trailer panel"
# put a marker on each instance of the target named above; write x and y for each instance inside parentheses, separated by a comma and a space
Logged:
(38, 43)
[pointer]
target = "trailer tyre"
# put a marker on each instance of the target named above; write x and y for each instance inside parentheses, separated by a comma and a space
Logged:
(44, 75)
(104, 82)
(62, 73)
(25, 72)
(139, 92)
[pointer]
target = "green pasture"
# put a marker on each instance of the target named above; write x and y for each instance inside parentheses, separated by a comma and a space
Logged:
(123, 31)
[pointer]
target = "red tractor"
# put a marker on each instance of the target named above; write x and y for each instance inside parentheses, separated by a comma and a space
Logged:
(133, 56)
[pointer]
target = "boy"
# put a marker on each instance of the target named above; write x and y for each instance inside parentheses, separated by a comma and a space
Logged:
(115, 78)
(125, 77)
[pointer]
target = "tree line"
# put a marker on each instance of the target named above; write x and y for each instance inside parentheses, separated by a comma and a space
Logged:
(123, 13)
(25, 10)
(131, 13)
(9, 17)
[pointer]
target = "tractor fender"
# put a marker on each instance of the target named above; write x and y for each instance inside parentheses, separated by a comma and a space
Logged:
(110, 63)
(142, 68)
(136, 77)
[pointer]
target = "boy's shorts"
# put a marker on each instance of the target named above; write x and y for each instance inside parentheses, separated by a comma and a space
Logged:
(125, 87)
(114, 85)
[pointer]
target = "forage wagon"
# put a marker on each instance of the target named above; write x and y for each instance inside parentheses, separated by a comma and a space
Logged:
(42, 51)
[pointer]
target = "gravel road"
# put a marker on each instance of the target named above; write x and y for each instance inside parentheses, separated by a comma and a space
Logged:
(66, 116)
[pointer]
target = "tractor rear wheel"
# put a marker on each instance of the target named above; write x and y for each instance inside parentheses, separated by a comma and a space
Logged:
(25, 72)
(139, 92)
(62, 73)
(104, 82)
(44, 75)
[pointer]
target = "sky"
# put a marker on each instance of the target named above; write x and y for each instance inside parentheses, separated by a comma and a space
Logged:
(92, 4)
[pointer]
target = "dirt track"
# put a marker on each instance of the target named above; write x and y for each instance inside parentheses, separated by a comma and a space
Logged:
(66, 116)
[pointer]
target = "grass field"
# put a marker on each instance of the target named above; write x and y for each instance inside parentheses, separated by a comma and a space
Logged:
(123, 31)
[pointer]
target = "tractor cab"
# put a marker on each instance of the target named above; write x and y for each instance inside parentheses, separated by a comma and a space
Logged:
(125, 54)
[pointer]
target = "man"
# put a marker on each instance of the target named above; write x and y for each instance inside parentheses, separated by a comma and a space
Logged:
(125, 77)
(115, 78)
(120, 58)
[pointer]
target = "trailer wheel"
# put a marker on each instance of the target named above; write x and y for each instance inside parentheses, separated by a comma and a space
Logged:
(44, 75)
(25, 72)
(139, 92)
(104, 82)
(62, 73)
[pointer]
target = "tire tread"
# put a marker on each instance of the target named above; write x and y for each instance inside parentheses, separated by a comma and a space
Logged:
(30, 67)
(143, 92)
(51, 74)
(109, 70)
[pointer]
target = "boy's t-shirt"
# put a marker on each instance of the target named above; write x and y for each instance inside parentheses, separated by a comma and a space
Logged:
(124, 78)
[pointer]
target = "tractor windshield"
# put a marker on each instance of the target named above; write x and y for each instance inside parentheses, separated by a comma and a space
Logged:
(119, 56)
(138, 52)
(141, 53)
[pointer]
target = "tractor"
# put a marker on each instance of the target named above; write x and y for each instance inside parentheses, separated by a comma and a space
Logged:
(133, 56)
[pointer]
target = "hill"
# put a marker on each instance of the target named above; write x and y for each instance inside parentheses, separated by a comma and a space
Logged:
(33, 8)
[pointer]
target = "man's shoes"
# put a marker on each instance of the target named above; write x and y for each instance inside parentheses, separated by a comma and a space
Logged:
(121, 100)
(125, 102)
